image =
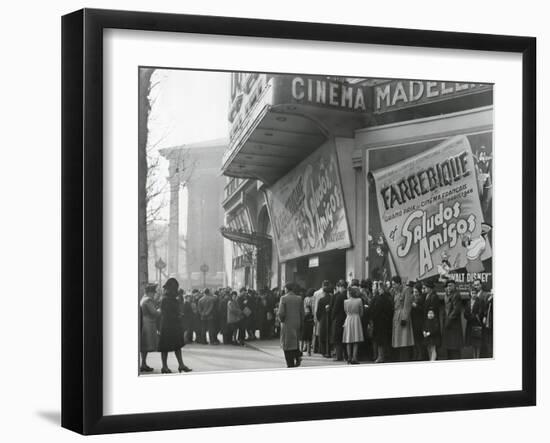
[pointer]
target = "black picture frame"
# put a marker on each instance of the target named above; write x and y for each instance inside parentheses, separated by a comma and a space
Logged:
(82, 218)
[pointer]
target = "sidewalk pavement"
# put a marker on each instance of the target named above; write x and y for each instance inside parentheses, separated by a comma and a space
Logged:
(254, 355)
(273, 348)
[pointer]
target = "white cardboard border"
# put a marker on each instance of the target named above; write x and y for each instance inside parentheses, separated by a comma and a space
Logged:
(126, 393)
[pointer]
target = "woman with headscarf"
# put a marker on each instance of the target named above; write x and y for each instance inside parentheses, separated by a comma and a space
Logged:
(171, 334)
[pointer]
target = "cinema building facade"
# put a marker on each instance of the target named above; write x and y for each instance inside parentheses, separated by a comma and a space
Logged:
(332, 177)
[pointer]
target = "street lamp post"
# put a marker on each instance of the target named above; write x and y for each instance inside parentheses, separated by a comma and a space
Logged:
(160, 265)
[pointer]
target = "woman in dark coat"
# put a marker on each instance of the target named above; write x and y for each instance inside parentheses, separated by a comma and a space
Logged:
(381, 311)
(171, 333)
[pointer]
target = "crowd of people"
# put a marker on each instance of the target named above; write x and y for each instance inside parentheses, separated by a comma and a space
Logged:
(172, 318)
(361, 321)
(389, 321)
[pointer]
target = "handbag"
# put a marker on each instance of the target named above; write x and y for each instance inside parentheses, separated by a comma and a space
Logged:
(247, 311)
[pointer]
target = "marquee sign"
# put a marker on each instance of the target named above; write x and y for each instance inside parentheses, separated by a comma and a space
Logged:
(398, 94)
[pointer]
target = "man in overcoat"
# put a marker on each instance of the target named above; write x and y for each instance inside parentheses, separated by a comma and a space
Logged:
(381, 312)
(453, 337)
(291, 315)
(402, 331)
(322, 315)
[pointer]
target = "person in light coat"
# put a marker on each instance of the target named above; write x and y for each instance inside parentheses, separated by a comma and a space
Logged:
(148, 331)
(402, 332)
(317, 295)
(353, 328)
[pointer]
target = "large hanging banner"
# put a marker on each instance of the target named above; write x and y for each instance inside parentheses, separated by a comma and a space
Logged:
(307, 207)
(430, 212)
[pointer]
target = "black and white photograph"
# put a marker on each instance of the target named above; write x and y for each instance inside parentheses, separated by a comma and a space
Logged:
(248, 221)
(289, 220)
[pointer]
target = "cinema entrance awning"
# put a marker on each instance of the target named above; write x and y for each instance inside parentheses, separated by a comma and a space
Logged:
(249, 238)
(288, 120)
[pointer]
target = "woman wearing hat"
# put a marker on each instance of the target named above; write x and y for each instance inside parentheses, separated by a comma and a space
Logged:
(171, 334)
(148, 336)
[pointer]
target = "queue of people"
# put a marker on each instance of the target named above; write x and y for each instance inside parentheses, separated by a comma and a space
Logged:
(171, 318)
(362, 321)
(391, 321)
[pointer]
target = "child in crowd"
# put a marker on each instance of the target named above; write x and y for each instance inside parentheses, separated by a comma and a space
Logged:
(432, 334)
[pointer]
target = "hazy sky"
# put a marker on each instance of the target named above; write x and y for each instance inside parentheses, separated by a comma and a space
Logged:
(188, 107)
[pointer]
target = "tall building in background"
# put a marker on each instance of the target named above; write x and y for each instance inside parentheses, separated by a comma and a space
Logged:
(197, 168)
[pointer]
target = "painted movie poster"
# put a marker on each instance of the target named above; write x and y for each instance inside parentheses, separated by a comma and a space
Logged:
(433, 213)
(307, 207)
